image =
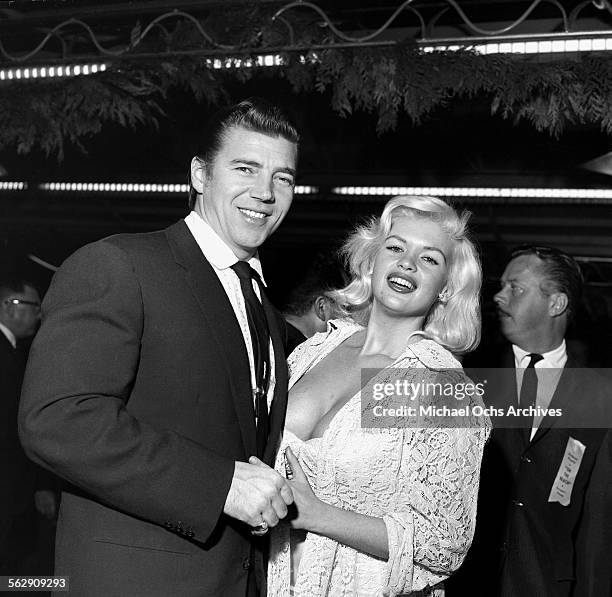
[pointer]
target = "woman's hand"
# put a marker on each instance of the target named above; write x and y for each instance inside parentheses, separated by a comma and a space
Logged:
(309, 513)
(308, 508)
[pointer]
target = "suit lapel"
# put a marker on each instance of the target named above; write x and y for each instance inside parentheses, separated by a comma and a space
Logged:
(221, 325)
(7, 347)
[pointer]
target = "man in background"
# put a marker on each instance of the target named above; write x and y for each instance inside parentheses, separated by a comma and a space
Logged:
(309, 307)
(21, 492)
(544, 503)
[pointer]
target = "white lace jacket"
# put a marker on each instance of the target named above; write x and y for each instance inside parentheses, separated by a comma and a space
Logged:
(422, 481)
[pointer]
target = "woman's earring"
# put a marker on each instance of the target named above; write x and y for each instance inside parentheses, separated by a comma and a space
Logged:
(442, 297)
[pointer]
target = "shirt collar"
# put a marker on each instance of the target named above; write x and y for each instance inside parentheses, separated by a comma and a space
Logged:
(553, 359)
(214, 248)
(9, 335)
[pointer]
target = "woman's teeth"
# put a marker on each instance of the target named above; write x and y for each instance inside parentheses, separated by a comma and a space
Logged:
(401, 282)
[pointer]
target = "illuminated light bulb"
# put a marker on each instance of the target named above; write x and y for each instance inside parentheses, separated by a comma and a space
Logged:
(571, 45)
(545, 47)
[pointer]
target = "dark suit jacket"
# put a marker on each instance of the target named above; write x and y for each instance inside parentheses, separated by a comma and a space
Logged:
(294, 337)
(16, 471)
(524, 544)
(138, 394)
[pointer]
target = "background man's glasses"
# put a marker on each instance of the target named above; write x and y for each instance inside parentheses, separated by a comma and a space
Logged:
(14, 301)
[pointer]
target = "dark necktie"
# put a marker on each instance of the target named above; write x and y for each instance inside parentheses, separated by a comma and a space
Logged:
(260, 337)
(529, 392)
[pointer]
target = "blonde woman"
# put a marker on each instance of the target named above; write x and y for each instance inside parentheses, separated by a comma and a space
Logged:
(385, 511)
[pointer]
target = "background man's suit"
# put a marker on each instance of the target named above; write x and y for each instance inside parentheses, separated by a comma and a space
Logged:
(172, 382)
(17, 473)
(518, 528)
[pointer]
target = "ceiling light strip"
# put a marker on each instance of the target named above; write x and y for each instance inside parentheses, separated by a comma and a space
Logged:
(473, 192)
(257, 61)
(13, 185)
(531, 46)
(124, 187)
(113, 187)
(566, 45)
(51, 72)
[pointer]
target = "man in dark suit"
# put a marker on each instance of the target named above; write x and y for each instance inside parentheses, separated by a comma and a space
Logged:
(542, 504)
(19, 317)
(143, 383)
(309, 306)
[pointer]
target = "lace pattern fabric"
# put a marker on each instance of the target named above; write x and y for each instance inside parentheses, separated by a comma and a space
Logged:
(422, 481)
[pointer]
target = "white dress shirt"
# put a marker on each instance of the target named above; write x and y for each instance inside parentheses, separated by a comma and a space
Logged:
(221, 258)
(553, 362)
(9, 335)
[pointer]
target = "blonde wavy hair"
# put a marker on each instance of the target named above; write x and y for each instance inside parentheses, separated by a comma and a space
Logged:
(454, 322)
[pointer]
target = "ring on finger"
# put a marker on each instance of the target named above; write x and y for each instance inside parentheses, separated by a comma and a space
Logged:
(260, 529)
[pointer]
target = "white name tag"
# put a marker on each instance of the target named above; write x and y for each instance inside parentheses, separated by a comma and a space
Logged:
(566, 475)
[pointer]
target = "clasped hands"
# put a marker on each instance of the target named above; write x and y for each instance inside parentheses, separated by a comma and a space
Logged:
(260, 497)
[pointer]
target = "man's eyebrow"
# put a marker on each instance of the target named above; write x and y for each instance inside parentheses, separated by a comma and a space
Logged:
(288, 170)
(253, 163)
(256, 164)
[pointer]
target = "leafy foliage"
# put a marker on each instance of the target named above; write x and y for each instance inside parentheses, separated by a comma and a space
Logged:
(549, 95)
(47, 113)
